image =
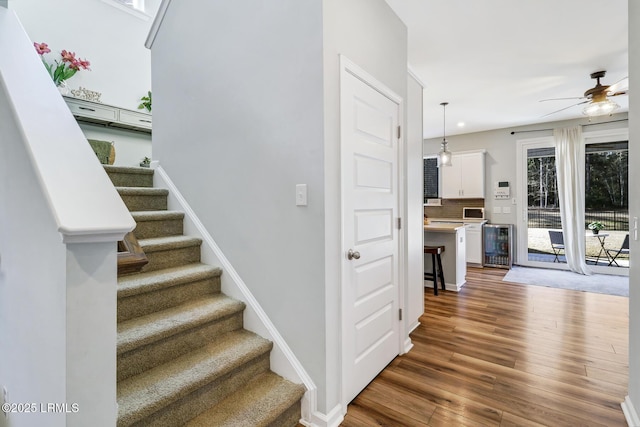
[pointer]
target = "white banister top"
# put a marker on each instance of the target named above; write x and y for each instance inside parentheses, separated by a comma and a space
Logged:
(81, 197)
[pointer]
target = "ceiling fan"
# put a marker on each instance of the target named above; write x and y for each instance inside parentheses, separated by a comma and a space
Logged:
(597, 97)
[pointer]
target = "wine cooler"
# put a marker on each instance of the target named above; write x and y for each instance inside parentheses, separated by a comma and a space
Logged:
(498, 245)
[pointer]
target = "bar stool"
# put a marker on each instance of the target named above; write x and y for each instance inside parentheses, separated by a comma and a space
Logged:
(435, 252)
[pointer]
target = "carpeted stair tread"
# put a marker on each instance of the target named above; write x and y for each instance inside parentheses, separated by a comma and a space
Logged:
(128, 170)
(165, 243)
(142, 395)
(153, 327)
(136, 284)
(142, 191)
(156, 215)
(130, 176)
(259, 403)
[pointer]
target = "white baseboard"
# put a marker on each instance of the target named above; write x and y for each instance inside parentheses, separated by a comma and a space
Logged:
(630, 413)
(283, 360)
(414, 326)
(408, 345)
(318, 419)
(455, 287)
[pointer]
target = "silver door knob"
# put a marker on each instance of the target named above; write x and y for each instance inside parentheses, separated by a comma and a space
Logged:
(353, 254)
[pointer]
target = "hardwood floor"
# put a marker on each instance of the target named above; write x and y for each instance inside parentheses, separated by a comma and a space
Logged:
(505, 354)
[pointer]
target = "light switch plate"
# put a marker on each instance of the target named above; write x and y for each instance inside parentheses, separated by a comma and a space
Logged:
(301, 194)
(497, 209)
(506, 209)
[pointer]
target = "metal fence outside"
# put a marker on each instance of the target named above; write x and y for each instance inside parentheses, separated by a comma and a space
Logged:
(614, 220)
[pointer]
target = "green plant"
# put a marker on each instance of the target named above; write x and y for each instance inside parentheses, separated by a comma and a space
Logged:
(596, 225)
(146, 102)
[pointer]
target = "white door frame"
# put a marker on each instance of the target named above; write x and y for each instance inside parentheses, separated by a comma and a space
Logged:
(349, 67)
(522, 250)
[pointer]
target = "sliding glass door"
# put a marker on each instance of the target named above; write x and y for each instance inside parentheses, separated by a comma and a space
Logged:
(607, 205)
(540, 237)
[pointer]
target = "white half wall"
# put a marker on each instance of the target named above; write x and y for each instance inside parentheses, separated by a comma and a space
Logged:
(32, 285)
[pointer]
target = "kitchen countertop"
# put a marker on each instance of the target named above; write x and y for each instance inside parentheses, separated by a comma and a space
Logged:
(466, 221)
(444, 227)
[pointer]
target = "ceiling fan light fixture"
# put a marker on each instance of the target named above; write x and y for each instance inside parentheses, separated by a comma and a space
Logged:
(444, 154)
(606, 107)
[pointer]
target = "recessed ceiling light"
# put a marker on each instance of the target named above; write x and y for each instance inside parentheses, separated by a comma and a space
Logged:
(460, 124)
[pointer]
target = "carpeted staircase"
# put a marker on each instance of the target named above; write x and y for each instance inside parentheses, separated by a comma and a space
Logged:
(183, 356)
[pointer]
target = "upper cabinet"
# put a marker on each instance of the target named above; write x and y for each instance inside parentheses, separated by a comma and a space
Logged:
(464, 179)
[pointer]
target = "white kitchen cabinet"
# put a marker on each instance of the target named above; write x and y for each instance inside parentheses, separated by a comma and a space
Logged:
(474, 243)
(464, 179)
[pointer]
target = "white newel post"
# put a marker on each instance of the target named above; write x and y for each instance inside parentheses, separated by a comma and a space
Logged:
(90, 337)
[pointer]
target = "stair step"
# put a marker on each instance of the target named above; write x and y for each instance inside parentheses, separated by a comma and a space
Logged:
(173, 393)
(158, 223)
(170, 251)
(153, 327)
(130, 176)
(147, 341)
(268, 400)
(145, 293)
(143, 198)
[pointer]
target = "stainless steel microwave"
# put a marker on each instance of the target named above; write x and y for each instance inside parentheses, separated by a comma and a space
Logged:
(473, 213)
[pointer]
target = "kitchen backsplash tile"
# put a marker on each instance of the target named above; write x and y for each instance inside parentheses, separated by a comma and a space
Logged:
(451, 208)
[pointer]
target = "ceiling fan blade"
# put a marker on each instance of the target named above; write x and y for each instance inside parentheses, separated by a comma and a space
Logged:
(618, 93)
(561, 99)
(621, 85)
(565, 108)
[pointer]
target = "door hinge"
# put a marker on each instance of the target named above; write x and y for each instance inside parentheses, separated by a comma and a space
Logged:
(399, 223)
(399, 132)
(400, 314)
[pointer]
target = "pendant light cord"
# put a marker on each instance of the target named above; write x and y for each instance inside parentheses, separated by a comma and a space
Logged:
(444, 121)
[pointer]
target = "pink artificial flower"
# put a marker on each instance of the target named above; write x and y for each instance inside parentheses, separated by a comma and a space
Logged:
(41, 48)
(68, 56)
(84, 64)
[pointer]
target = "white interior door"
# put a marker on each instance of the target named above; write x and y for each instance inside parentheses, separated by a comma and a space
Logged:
(370, 200)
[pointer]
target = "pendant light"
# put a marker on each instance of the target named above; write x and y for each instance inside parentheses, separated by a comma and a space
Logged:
(444, 154)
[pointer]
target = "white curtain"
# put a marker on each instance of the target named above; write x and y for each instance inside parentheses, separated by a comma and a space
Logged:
(570, 170)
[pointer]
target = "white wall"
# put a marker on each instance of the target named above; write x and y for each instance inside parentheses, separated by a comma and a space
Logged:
(247, 129)
(131, 147)
(113, 41)
(414, 201)
(369, 34)
(634, 204)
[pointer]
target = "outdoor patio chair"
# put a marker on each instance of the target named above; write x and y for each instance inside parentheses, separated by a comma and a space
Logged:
(557, 243)
(624, 249)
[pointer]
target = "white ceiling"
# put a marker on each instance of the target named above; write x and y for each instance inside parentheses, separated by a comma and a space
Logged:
(494, 60)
